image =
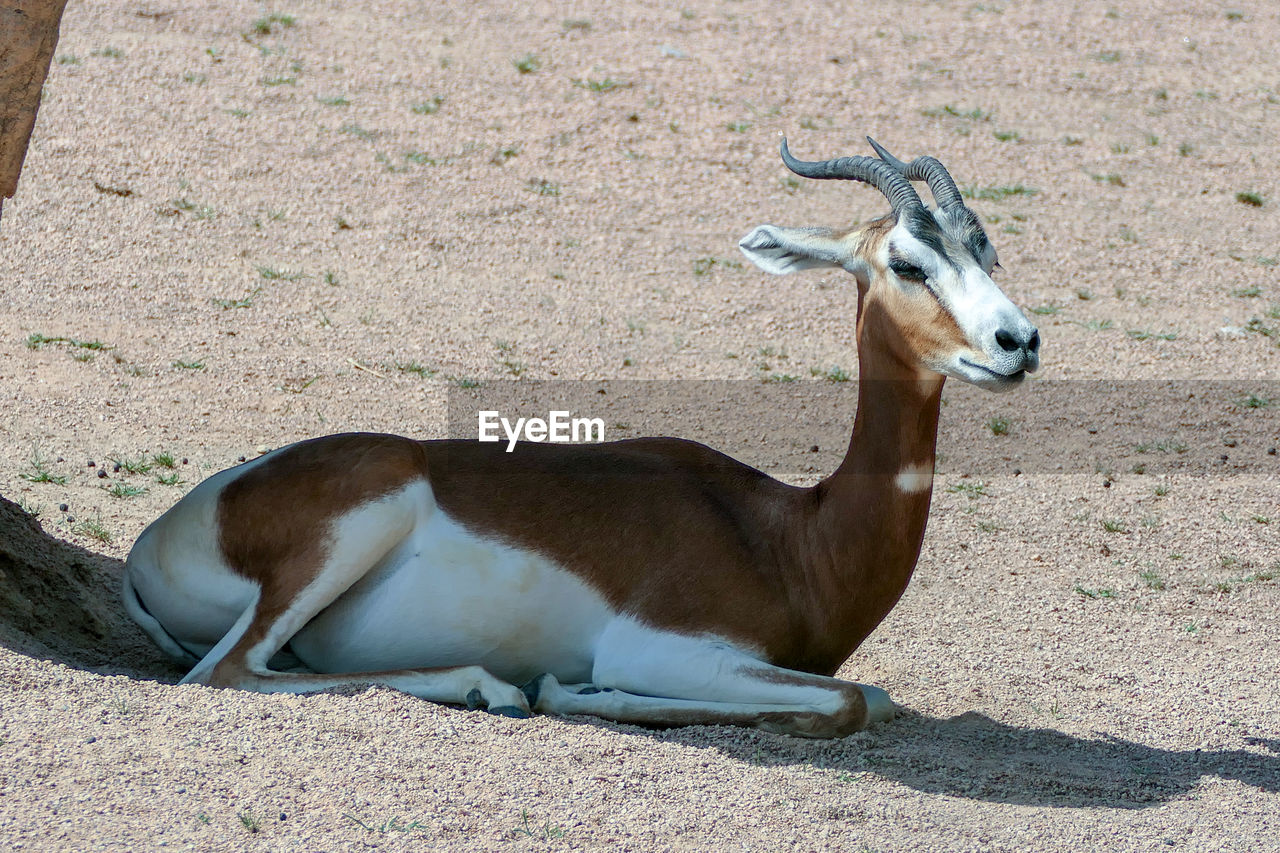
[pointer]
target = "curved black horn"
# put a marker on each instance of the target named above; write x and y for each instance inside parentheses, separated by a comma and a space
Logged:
(927, 169)
(880, 175)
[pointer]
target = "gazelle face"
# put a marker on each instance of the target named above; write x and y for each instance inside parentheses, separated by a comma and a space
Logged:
(933, 274)
(925, 276)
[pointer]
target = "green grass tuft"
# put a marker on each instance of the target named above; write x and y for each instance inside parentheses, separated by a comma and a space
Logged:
(541, 186)
(971, 489)
(125, 490)
(94, 529)
(1253, 401)
(35, 340)
(998, 193)
(527, 64)
(430, 106)
(268, 24)
(272, 274)
(608, 84)
(39, 471)
(835, 373)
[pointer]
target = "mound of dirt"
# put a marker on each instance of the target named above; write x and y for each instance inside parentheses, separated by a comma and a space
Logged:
(57, 602)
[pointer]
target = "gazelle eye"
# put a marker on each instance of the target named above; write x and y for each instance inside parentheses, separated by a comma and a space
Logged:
(906, 269)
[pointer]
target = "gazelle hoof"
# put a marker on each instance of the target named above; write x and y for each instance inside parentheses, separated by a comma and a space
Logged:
(880, 707)
(511, 711)
(534, 688)
(475, 699)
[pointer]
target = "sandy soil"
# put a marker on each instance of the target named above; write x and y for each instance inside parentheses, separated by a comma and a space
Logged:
(241, 225)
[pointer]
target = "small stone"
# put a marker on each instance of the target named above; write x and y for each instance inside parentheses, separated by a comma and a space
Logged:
(116, 469)
(92, 464)
(1093, 430)
(261, 449)
(241, 459)
(71, 519)
(62, 507)
(184, 460)
(102, 473)
(91, 739)
(1271, 451)
(1228, 442)
(1223, 457)
(1017, 472)
(1106, 484)
(813, 449)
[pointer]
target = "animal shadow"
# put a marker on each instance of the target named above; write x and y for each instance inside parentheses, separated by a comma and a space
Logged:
(975, 757)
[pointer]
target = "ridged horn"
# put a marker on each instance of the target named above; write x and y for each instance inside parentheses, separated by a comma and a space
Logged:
(888, 180)
(927, 169)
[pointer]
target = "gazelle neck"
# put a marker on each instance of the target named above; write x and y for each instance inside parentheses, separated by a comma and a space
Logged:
(896, 426)
(871, 513)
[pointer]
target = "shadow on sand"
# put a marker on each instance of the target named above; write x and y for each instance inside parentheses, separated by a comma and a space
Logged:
(975, 757)
(60, 602)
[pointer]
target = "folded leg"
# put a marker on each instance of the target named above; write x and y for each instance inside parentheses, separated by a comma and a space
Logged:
(652, 677)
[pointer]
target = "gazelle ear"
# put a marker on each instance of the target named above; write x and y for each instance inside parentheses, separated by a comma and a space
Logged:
(780, 250)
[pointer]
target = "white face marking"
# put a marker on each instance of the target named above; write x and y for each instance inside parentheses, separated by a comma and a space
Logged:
(905, 244)
(979, 308)
(914, 479)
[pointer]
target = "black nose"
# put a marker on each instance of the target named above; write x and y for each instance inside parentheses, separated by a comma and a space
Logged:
(1010, 343)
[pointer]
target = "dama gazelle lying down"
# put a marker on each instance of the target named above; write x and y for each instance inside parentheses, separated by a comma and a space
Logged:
(653, 581)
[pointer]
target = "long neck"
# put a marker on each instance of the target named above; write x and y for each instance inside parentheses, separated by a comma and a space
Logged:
(871, 513)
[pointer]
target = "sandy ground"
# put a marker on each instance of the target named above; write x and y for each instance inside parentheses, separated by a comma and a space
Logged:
(241, 225)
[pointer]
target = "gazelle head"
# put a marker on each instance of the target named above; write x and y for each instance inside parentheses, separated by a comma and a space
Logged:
(925, 273)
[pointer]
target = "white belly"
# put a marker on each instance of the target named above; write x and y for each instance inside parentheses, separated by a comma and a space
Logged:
(447, 597)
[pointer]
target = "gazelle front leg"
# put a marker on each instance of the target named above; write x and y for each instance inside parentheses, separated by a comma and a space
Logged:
(651, 677)
(472, 686)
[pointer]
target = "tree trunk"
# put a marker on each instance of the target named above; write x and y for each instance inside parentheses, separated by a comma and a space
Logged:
(28, 36)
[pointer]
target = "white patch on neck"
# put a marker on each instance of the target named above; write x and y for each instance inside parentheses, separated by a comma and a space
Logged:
(914, 478)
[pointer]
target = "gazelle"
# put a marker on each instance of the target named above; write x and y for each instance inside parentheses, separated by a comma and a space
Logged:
(653, 581)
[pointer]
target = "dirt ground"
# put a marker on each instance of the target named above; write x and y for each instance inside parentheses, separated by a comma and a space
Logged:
(241, 224)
